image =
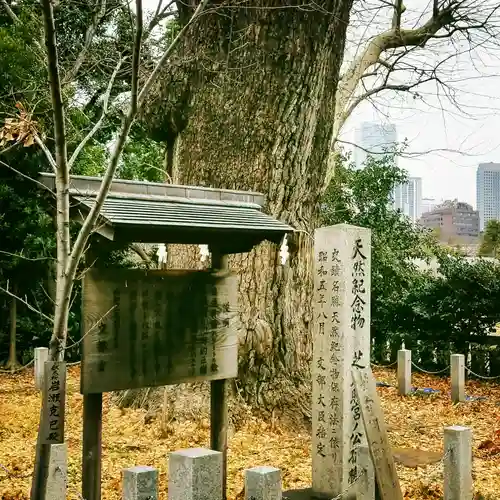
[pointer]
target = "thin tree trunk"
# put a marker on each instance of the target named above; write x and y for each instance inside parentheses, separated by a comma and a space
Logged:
(12, 363)
(261, 119)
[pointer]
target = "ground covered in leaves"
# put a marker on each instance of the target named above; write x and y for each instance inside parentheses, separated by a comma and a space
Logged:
(130, 438)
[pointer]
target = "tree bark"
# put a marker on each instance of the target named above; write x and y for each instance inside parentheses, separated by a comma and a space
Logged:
(260, 117)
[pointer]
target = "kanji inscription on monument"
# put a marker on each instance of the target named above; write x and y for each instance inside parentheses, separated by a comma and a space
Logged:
(54, 396)
(154, 328)
(341, 340)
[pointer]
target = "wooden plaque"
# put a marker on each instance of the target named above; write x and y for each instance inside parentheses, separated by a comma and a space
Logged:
(154, 328)
(376, 433)
(54, 396)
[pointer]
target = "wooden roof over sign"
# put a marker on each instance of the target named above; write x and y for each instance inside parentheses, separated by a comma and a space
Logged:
(148, 212)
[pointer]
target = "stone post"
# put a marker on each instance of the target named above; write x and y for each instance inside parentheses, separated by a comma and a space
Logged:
(263, 483)
(404, 372)
(41, 356)
(195, 474)
(341, 340)
(457, 463)
(457, 369)
(140, 483)
(58, 472)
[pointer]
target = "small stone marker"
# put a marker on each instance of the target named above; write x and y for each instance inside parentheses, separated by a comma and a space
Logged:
(58, 472)
(263, 483)
(457, 369)
(195, 474)
(140, 483)
(404, 372)
(457, 463)
(341, 340)
(41, 356)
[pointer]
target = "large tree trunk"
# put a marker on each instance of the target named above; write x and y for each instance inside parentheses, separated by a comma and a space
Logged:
(259, 112)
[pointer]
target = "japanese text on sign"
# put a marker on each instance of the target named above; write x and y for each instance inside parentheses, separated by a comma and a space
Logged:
(54, 402)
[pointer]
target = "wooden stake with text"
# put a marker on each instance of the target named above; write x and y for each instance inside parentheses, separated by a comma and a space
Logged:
(376, 433)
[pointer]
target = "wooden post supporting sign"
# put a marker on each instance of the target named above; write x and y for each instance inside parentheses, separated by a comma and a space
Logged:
(92, 443)
(219, 397)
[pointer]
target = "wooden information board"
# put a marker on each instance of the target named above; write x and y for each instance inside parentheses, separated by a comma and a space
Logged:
(153, 328)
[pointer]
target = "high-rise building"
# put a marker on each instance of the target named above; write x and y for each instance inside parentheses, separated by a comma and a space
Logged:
(454, 222)
(407, 198)
(488, 192)
(374, 139)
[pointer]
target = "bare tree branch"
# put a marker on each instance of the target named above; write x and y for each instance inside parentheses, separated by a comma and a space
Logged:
(159, 15)
(38, 183)
(99, 123)
(412, 154)
(10, 12)
(20, 256)
(447, 19)
(46, 152)
(89, 37)
(136, 58)
(27, 304)
(139, 250)
(396, 20)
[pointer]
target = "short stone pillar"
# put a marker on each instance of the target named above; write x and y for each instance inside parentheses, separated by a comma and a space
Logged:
(41, 356)
(58, 472)
(457, 463)
(140, 483)
(195, 474)
(263, 483)
(366, 483)
(404, 372)
(457, 369)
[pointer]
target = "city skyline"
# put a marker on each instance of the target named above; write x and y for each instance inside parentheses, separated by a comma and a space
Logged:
(379, 137)
(445, 145)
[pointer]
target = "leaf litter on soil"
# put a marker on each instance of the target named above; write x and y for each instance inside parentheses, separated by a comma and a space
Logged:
(413, 422)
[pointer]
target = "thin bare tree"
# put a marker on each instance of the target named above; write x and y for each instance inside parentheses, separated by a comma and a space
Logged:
(69, 253)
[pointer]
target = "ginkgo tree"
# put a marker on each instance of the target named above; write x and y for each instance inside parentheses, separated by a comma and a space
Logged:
(257, 100)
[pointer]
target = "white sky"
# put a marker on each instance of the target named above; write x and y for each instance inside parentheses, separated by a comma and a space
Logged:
(438, 126)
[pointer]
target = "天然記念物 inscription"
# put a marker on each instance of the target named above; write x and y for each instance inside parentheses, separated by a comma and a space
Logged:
(341, 341)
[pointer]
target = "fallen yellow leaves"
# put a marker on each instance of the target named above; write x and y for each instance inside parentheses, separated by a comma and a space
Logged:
(413, 422)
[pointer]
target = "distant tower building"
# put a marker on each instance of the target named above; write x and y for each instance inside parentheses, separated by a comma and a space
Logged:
(488, 192)
(407, 198)
(375, 139)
